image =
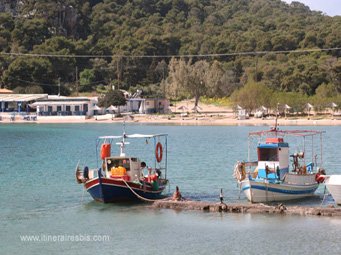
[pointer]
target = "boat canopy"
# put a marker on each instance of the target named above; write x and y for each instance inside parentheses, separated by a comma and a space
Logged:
(131, 136)
(273, 145)
(276, 132)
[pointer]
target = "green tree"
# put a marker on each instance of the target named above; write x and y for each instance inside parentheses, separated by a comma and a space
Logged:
(30, 32)
(252, 96)
(30, 71)
(87, 77)
(113, 97)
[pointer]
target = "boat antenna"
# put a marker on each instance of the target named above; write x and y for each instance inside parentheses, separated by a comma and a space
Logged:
(276, 119)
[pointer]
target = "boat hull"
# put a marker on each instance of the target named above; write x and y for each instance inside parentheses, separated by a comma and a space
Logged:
(108, 190)
(333, 183)
(262, 192)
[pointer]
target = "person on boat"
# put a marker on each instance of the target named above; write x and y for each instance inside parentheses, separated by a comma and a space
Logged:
(221, 196)
(145, 171)
(177, 195)
(158, 173)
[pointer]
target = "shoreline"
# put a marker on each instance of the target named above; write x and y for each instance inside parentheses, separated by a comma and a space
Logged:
(195, 120)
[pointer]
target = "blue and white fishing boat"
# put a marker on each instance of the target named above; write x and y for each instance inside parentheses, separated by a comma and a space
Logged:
(120, 178)
(270, 178)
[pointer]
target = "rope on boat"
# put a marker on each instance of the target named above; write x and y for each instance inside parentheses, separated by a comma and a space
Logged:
(138, 196)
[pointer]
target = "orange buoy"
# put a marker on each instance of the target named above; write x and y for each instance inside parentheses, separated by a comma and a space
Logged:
(105, 150)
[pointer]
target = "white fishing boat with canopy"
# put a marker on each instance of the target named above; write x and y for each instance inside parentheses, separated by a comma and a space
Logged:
(270, 178)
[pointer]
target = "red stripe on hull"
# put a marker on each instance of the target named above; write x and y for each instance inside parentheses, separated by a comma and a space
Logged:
(106, 181)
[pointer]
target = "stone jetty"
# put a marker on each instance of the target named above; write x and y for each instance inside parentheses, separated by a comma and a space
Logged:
(247, 208)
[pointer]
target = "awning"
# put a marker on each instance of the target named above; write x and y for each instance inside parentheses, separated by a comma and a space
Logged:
(58, 103)
(21, 97)
(96, 108)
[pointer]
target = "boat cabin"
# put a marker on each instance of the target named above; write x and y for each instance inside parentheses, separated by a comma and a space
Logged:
(127, 168)
(273, 158)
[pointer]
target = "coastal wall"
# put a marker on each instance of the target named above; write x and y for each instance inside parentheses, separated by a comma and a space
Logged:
(247, 208)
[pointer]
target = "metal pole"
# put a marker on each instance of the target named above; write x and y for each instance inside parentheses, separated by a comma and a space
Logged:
(248, 150)
(321, 148)
(304, 149)
(312, 148)
(166, 143)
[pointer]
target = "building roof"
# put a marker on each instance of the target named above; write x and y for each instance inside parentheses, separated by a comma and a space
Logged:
(21, 97)
(6, 91)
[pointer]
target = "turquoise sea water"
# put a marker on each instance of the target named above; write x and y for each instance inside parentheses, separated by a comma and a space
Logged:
(39, 196)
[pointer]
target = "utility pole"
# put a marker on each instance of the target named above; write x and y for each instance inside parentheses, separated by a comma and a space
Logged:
(59, 86)
(77, 85)
(256, 67)
(118, 72)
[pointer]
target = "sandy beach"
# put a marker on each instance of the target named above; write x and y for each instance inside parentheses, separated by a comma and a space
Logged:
(181, 114)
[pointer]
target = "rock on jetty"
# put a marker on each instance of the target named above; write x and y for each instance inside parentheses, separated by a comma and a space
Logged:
(247, 208)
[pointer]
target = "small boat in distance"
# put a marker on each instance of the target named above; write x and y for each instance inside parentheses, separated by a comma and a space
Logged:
(333, 183)
(120, 178)
(271, 180)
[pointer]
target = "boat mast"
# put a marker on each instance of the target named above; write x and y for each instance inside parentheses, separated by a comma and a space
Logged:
(122, 143)
(321, 149)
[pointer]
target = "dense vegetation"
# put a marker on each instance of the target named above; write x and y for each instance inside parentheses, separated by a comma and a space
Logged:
(120, 32)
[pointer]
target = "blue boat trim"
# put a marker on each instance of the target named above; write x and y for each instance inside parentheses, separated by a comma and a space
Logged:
(293, 192)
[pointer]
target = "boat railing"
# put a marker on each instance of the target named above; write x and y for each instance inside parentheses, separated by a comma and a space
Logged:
(251, 163)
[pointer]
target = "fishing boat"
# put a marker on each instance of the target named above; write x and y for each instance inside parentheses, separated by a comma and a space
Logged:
(270, 178)
(333, 184)
(120, 178)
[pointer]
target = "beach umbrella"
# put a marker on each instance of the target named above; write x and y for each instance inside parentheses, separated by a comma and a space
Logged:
(112, 108)
(309, 107)
(333, 105)
(263, 108)
(182, 108)
(286, 108)
(239, 107)
(95, 109)
(196, 108)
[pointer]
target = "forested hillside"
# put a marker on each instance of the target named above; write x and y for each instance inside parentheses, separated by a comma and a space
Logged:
(129, 44)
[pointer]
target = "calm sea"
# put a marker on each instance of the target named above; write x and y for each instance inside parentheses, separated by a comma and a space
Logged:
(44, 211)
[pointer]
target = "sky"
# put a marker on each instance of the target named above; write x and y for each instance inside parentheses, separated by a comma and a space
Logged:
(330, 7)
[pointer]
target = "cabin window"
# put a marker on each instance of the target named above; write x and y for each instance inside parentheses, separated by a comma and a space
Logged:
(267, 154)
(119, 162)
